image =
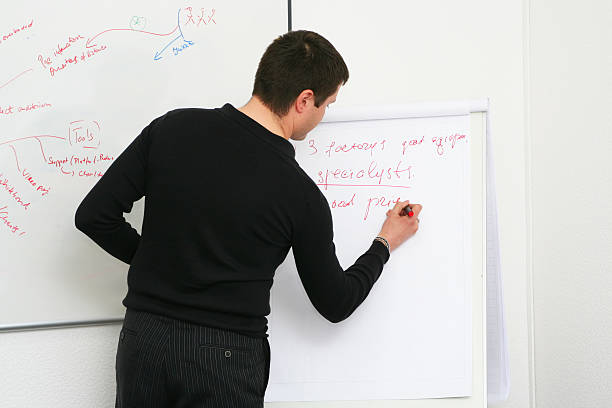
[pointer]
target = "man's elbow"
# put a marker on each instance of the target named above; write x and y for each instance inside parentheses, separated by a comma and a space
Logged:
(334, 319)
(82, 221)
(336, 316)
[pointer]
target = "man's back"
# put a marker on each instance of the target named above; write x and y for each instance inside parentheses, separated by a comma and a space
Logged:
(217, 220)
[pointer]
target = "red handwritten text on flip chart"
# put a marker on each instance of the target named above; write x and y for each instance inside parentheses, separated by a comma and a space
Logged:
(443, 144)
(375, 174)
(369, 172)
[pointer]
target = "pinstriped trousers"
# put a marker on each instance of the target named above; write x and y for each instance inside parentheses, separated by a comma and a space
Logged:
(163, 362)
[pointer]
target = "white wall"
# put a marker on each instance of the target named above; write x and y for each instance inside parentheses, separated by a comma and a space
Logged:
(571, 193)
(400, 51)
(60, 368)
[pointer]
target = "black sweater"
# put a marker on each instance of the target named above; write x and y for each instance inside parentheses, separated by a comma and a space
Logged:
(225, 200)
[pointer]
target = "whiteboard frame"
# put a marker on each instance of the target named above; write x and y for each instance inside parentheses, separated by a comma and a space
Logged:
(478, 111)
(59, 324)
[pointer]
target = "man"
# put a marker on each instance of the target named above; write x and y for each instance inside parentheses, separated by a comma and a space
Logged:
(225, 201)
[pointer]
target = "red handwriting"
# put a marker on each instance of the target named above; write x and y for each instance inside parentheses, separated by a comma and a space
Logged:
(61, 48)
(16, 30)
(344, 203)
(347, 148)
(81, 173)
(4, 217)
(102, 157)
(46, 61)
(414, 142)
(84, 133)
(80, 160)
(74, 160)
(373, 172)
(67, 165)
(38, 187)
(54, 68)
(379, 202)
(311, 145)
(4, 183)
(441, 142)
(334, 148)
(370, 203)
(85, 173)
(11, 109)
(58, 162)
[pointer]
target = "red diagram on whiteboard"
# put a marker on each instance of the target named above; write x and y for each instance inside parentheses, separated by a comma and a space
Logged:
(85, 134)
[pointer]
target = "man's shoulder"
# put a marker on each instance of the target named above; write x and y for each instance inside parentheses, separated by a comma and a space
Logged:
(179, 119)
(184, 113)
(309, 188)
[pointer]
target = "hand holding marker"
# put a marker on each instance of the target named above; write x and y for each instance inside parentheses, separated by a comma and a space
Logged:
(402, 223)
(407, 210)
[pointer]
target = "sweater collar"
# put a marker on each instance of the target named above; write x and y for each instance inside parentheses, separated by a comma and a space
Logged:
(278, 142)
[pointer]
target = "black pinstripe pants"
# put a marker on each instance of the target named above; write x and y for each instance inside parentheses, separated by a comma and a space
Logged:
(162, 362)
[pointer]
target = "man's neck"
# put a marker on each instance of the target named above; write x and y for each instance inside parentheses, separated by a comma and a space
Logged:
(261, 114)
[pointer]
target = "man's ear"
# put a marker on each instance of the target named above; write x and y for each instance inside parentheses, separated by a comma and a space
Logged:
(305, 98)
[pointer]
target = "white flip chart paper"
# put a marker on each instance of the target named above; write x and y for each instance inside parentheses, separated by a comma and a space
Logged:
(412, 337)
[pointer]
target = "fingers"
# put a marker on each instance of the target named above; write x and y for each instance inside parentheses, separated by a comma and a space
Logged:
(412, 210)
(416, 208)
(399, 207)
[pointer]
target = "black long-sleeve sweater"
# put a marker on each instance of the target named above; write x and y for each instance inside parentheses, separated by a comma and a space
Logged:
(225, 200)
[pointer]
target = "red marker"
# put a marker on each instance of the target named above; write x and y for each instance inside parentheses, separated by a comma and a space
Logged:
(407, 210)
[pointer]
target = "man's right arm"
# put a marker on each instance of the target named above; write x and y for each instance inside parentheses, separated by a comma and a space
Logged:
(333, 291)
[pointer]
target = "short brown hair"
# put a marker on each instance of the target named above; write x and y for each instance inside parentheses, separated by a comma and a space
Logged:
(296, 61)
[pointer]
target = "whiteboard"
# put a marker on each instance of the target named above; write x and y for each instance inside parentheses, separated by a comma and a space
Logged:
(393, 347)
(78, 82)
